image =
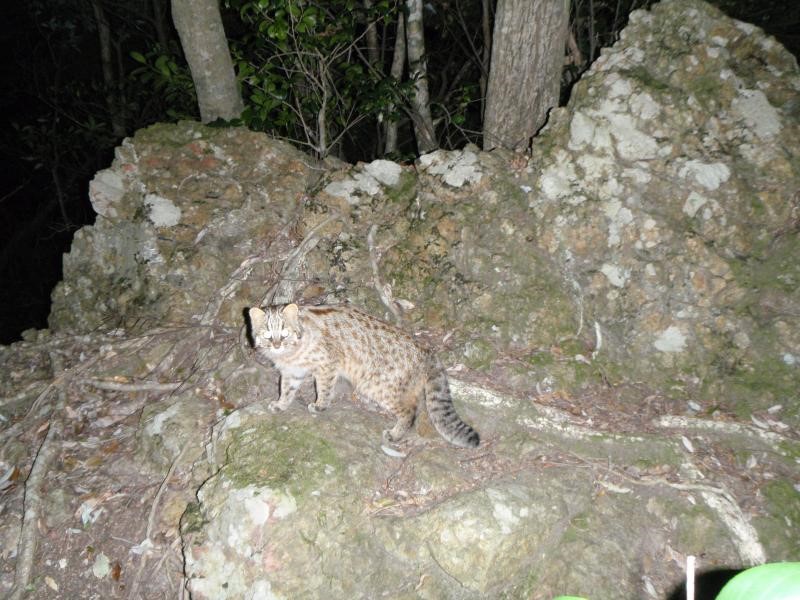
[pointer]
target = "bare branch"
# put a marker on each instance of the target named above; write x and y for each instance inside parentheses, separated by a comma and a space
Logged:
(292, 262)
(144, 386)
(26, 548)
(384, 290)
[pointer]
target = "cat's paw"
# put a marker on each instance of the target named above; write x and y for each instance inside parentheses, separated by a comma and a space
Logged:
(275, 407)
(314, 409)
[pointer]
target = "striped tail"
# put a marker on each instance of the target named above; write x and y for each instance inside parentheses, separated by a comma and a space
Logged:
(441, 410)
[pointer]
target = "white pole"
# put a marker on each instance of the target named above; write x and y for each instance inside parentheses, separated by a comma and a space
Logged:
(690, 560)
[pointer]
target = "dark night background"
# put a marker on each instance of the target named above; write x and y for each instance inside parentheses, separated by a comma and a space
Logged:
(56, 131)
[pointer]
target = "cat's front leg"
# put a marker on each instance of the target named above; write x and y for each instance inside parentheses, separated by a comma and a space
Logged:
(326, 382)
(290, 385)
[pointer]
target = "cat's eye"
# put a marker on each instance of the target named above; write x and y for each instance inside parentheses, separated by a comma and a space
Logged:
(268, 335)
(284, 333)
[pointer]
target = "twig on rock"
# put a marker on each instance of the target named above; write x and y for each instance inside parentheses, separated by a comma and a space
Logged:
(598, 336)
(26, 548)
(293, 260)
(235, 281)
(166, 554)
(143, 386)
(151, 522)
(384, 290)
(13, 432)
(29, 390)
(151, 519)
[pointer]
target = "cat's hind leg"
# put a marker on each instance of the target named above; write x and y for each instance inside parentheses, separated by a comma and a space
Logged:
(405, 420)
(403, 405)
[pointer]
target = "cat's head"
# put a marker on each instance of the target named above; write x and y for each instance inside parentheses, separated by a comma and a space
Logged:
(275, 329)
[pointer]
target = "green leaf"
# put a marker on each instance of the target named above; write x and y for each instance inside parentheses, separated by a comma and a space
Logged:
(309, 18)
(773, 581)
(139, 57)
(162, 65)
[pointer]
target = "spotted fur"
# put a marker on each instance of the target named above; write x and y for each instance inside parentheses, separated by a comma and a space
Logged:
(382, 362)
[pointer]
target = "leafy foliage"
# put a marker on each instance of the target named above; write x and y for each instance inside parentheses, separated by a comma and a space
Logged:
(165, 73)
(305, 71)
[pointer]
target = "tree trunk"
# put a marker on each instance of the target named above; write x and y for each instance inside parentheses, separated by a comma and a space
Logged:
(525, 75)
(374, 59)
(418, 72)
(372, 37)
(202, 36)
(398, 60)
(160, 23)
(106, 60)
(486, 54)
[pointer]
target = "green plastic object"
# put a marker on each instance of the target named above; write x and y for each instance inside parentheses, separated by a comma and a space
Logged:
(773, 581)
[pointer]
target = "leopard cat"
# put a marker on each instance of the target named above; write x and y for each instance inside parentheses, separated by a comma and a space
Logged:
(381, 361)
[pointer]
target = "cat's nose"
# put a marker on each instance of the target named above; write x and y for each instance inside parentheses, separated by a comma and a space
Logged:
(276, 343)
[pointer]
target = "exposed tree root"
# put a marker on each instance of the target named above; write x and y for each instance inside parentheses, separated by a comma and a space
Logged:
(26, 548)
(384, 289)
(151, 524)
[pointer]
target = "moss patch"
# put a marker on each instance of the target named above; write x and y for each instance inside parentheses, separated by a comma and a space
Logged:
(779, 531)
(767, 382)
(405, 190)
(192, 520)
(170, 135)
(292, 457)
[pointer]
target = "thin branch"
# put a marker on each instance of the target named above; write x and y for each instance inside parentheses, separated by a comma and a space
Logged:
(61, 380)
(309, 242)
(384, 290)
(237, 277)
(29, 390)
(15, 190)
(151, 521)
(144, 386)
(26, 548)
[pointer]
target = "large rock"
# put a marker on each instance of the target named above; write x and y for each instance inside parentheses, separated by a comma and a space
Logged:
(655, 227)
(180, 210)
(620, 313)
(303, 506)
(668, 190)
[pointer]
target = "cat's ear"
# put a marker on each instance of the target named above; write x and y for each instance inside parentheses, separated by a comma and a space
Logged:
(289, 313)
(257, 318)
